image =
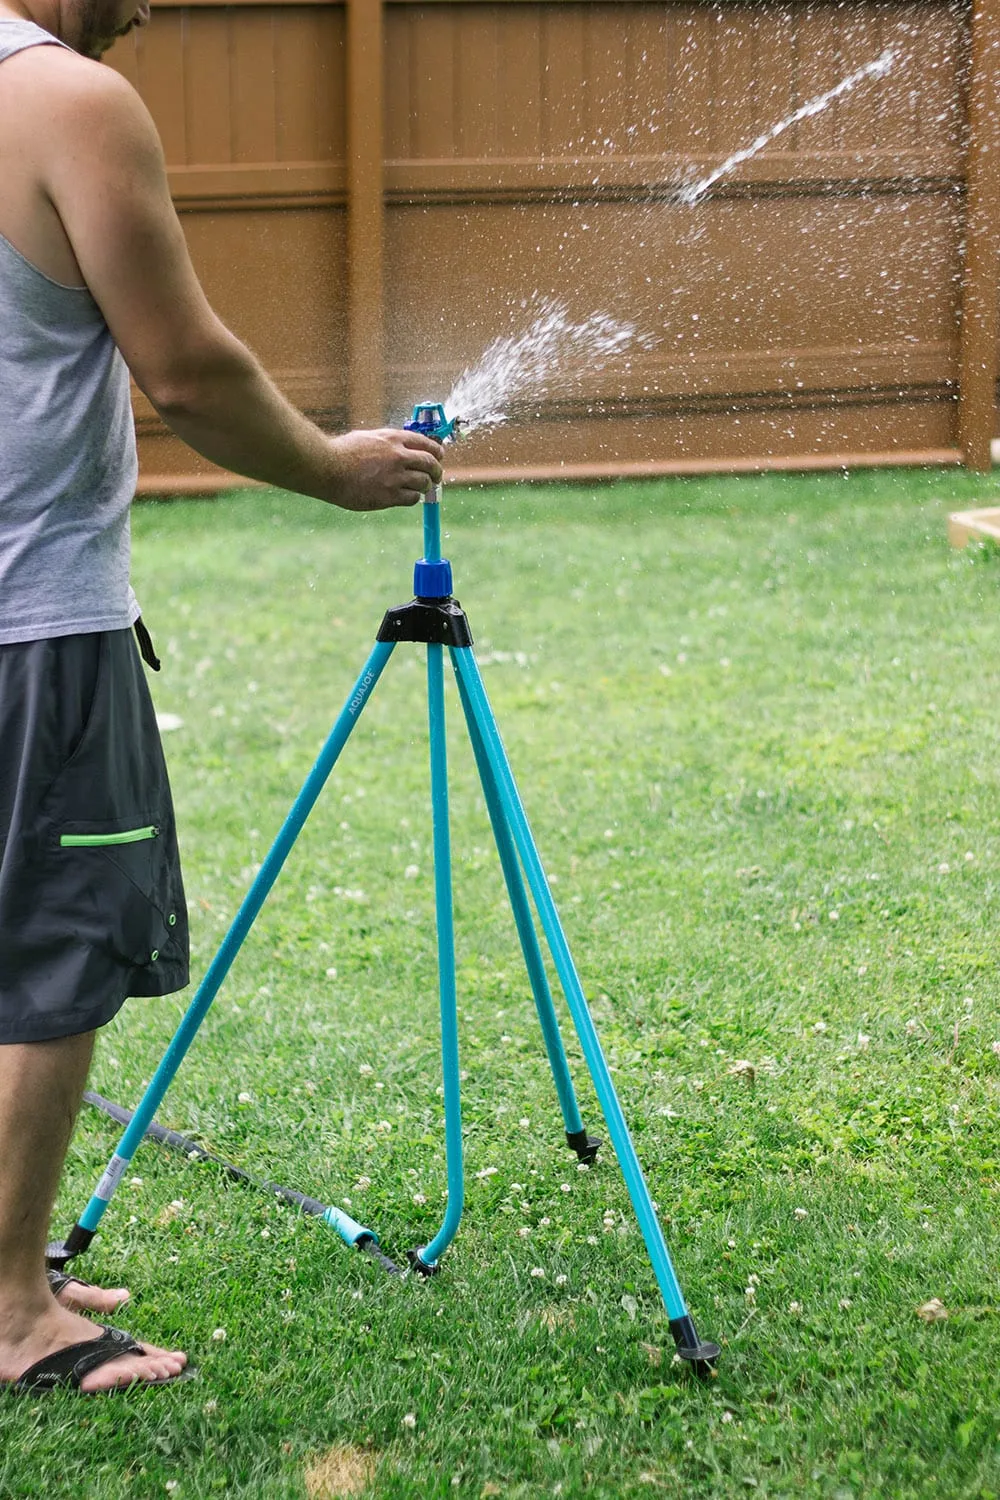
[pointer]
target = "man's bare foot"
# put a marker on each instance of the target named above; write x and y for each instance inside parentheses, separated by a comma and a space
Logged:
(80, 1296)
(62, 1328)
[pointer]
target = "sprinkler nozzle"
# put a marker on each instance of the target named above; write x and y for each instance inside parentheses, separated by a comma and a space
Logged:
(429, 419)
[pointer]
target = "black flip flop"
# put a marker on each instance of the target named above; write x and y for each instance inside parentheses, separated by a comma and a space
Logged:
(67, 1367)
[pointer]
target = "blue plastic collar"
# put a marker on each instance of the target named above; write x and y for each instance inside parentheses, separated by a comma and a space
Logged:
(432, 580)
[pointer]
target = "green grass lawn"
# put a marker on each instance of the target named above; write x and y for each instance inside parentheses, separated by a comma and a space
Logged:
(754, 724)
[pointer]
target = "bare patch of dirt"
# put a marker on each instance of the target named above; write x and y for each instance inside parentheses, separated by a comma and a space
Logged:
(343, 1470)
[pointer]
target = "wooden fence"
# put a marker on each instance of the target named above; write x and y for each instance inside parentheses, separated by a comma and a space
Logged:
(373, 192)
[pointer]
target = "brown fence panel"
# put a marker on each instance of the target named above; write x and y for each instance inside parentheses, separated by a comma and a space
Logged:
(496, 156)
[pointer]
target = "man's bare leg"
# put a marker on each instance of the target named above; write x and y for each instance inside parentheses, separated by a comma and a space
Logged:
(41, 1085)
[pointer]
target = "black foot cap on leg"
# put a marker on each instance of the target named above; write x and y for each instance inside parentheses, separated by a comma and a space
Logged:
(699, 1354)
(59, 1253)
(421, 1267)
(586, 1146)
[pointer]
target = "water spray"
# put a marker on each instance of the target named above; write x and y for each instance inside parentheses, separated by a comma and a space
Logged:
(878, 68)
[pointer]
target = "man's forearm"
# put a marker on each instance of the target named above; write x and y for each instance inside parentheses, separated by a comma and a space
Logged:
(230, 411)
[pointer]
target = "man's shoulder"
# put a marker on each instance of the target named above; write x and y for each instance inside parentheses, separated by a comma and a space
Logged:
(58, 80)
(70, 110)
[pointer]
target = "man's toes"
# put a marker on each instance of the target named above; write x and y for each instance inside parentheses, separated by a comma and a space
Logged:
(98, 1299)
(148, 1368)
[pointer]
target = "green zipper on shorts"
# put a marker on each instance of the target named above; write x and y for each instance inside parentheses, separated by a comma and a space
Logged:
(100, 840)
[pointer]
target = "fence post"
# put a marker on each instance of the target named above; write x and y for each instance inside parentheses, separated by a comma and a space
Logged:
(981, 276)
(366, 213)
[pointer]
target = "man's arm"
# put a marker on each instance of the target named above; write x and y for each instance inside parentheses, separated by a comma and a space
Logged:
(106, 177)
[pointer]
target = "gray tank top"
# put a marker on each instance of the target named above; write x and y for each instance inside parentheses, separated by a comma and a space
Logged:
(67, 447)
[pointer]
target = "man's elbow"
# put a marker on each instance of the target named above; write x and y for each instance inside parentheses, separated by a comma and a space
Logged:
(187, 383)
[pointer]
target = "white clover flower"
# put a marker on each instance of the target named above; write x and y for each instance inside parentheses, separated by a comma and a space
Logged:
(219, 1335)
(487, 1172)
(561, 1280)
(365, 1068)
(565, 1187)
(524, 1231)
(835, 916)
(795, 1307)
(411, 872)
(410, 1420)
(801, 1213)
(420, 1199)
(545, 1222)
(819, 1027)
(944, 868)
(538, 1273)
(863, 1040)
(244, 1098)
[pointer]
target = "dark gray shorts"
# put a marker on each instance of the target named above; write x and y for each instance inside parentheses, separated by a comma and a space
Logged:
(91, 900)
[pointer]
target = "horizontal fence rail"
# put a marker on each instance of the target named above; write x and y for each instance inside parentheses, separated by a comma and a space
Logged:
(373, 192)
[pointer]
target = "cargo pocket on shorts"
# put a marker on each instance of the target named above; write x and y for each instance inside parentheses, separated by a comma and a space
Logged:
(114, 878)
(103, 849)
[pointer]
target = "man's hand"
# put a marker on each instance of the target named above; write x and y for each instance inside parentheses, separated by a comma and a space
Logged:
(383, 468)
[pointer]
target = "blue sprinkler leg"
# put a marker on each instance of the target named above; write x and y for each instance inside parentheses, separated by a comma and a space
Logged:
(425, 1259)
(585, 1146)
(702, 1355)
(86, 1226)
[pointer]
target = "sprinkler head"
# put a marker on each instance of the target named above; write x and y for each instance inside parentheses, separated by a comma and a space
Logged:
(429, 419)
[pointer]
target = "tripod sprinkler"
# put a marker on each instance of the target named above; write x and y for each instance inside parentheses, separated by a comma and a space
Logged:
(435, 619)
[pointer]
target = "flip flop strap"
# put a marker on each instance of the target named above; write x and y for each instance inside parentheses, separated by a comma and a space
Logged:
(69, 1366)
